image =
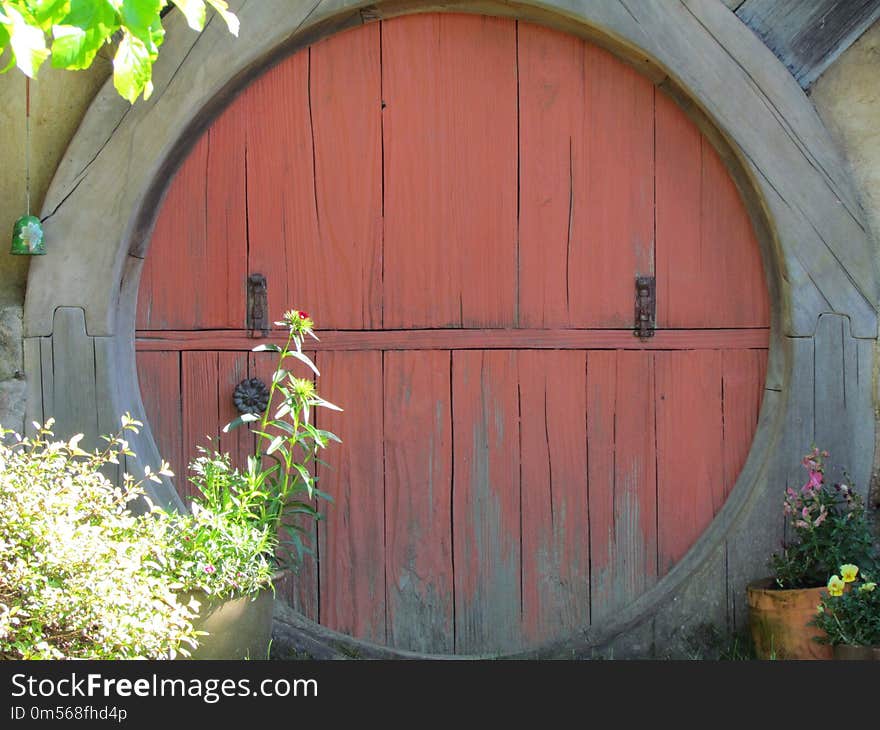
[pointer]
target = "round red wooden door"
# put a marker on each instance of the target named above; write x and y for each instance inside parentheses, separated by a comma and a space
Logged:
(463, 204)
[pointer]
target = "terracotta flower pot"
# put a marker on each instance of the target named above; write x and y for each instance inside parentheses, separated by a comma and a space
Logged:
(848, 652)
(238, 627)
(779, 622)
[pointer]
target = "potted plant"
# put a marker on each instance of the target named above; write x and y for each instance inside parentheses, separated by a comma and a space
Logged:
(849, 615)
(256, 514)
(829, 528)
(86, 577)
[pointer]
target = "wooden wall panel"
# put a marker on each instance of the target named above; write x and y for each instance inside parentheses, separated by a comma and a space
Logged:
(338, 277)
(552, 147)
(623, 478)
(352, 540)
(555, 519)
(418, 506)
(450, 146)
(200, 408)
(486, 501)
(159, 379)
(690, 474)
(613, 228)
(281, 204)
(742, 390)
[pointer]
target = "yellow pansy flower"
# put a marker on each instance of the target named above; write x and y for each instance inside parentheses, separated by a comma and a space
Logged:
(867, 587)
(849, 572)
(835, 586)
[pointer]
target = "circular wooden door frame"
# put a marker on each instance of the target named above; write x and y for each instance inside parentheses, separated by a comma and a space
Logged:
(818, 258)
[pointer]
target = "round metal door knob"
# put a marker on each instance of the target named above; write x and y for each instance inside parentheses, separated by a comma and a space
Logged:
(251, 396)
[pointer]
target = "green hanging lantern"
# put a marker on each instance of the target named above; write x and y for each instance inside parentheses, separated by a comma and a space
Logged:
(27, 233)
(27, 237)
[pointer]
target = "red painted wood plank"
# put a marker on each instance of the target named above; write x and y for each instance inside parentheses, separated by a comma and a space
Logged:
(201, 409)
(709, 269)
(552, 134)
(486, 502)
(456, 339)
(280, 181)
(221, 276)
(739, 287)
(418, 491)
(612, 237)
(684, 270)
(450, 145)
(555, 522)
(232, 369)
(299, 588)
(742, 390)
(339, 277)
(159, 380)
(171, 296)
(623, 478)
(352, 540)
(690, 460)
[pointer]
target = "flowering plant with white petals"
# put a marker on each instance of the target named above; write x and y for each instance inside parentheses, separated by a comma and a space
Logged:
(278, 489)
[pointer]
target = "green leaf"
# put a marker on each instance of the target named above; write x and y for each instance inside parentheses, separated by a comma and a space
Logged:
(28, 43)
(132, 68)
(49, 12)
(82, 33)
(242, 419)
(193, 11)
(4, 42)
(266, 348)
(140, 17)
(228, 17)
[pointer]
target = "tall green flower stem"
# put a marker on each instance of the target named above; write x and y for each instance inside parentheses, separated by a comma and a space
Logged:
(278, 483)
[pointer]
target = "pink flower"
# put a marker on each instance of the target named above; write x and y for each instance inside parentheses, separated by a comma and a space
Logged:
(805, 513)
(801, 523)
(210, 569)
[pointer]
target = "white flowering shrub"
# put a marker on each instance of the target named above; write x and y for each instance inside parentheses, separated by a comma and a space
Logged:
(80, 575)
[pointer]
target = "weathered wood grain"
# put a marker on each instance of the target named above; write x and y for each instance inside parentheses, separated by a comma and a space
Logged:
(159, 380)
(690, 474)
(552, 141)
(74, 402)
(554, 488)
(450, 146)
(341, 268)
(34, 393)
(457, 339)
(352, 540)
(486, 506)
(613, 232)
(808, 37)
(418, 501)
(623, 475)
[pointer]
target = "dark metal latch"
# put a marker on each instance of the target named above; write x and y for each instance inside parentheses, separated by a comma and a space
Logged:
(646, 307)
(257, 306)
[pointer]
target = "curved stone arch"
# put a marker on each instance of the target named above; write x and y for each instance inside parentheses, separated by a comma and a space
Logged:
(79, 311)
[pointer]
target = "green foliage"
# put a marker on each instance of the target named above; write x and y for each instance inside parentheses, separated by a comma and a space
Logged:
(81, 575)
(851, 616)
(73, 31)
(278, 489)
(830, 528)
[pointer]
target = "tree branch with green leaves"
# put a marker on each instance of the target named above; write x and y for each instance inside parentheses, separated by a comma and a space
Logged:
(71, 32)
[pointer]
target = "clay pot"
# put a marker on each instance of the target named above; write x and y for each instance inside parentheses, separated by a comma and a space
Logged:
(779, 622)
(238, 627)
(848, 652)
